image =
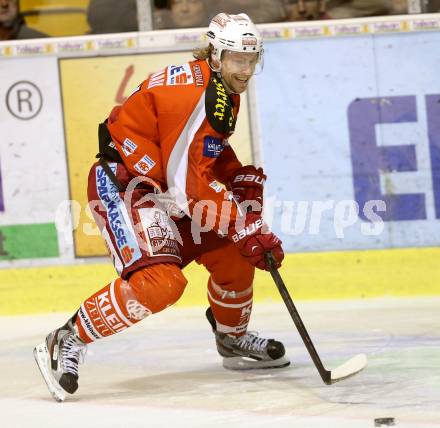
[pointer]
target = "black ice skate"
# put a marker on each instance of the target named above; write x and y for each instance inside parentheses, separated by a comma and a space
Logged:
(248, 351)
(58, 358)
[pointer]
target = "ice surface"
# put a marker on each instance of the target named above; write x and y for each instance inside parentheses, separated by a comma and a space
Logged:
(165, 371)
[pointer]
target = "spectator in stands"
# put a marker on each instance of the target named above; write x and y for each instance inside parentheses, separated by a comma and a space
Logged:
(434, 6)
(112, 16)
(343, 9)
(399, 7)
(181, 13)
(259, 10)
(300, 10)
(12, 23)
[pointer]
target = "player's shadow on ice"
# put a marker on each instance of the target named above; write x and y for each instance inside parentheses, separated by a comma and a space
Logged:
(207, 382)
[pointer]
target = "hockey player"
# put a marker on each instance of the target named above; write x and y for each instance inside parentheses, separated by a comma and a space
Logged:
(168, 190)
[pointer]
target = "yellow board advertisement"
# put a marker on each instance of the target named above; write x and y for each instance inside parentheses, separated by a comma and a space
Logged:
(90, 88)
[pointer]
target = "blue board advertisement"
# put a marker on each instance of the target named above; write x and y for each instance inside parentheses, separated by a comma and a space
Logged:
(350, 140)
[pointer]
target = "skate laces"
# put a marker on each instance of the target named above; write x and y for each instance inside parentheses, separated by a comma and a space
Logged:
(73, 351)
(252, 342)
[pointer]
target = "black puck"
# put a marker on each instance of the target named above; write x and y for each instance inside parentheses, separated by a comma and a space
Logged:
(378, 422)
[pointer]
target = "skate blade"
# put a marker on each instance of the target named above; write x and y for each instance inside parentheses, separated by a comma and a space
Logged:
(242, 363)
(41, 355)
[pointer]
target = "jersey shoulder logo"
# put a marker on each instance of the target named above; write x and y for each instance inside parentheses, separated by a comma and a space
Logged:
(179, 75)
(218, 107)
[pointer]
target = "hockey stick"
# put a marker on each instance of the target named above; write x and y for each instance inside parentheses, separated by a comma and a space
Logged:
(348, 369)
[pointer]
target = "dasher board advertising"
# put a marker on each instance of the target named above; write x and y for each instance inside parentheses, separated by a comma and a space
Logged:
(350, 135)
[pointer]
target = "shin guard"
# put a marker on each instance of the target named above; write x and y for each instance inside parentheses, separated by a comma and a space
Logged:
(121, 303)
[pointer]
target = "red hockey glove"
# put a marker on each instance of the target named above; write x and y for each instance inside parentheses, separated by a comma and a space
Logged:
(247, 185)
(254, 239)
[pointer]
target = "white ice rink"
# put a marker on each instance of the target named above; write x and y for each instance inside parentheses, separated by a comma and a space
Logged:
(165, 371)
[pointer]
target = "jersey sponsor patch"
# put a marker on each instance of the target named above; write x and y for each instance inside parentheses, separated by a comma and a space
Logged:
(216, 186)
(128, 147)
(198, 75)
(212, 147)
(144, 165)
(179, 75)
(218, 105)
(159, 236)
(157, 79)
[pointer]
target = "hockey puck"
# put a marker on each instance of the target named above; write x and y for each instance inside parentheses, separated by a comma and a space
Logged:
(378, 422)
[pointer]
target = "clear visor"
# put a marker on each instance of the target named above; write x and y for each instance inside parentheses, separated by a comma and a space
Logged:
(244, 62)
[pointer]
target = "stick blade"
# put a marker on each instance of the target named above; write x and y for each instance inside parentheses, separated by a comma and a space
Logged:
(349, 368)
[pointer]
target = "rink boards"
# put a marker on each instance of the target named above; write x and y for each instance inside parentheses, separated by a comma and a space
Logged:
(333, 134)
(318, 276)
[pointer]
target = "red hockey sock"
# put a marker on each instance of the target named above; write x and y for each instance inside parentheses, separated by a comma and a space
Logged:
(231, 309)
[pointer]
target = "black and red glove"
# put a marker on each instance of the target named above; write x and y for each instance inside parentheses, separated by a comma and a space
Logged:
(247, 184)
(254, 239)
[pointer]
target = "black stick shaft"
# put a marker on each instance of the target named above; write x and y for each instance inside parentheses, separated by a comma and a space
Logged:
(325, 374)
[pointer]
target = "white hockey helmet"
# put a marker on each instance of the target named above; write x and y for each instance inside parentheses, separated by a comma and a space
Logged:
(235, 33)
